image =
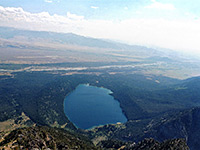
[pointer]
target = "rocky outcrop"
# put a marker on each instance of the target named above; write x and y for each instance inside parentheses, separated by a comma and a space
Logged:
(44, 138)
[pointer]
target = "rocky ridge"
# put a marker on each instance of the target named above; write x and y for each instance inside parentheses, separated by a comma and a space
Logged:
(48, 138)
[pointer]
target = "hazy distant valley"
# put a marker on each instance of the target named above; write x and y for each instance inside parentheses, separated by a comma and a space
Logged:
(158, 90)
(37, 51)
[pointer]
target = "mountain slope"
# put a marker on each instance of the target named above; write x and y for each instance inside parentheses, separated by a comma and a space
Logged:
(147, 144)
(44, 138)
(185, 124)
(68, 38)
(54, 138)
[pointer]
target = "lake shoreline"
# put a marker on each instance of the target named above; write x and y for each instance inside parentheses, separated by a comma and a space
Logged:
(99, 106)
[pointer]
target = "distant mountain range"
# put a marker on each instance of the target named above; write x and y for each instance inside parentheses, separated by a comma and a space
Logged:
(38, 47)
(66, 38)
(73, 39)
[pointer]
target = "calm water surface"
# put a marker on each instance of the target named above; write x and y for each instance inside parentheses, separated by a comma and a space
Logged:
(89, 106)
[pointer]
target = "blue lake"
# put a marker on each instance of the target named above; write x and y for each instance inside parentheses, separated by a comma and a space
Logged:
(89, 106)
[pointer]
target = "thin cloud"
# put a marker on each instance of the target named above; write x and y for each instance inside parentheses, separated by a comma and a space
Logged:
(161, 6)
(74, 16)
(94, 7)
(48, 1)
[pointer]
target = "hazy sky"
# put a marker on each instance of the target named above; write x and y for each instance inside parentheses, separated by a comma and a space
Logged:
(171, 24)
